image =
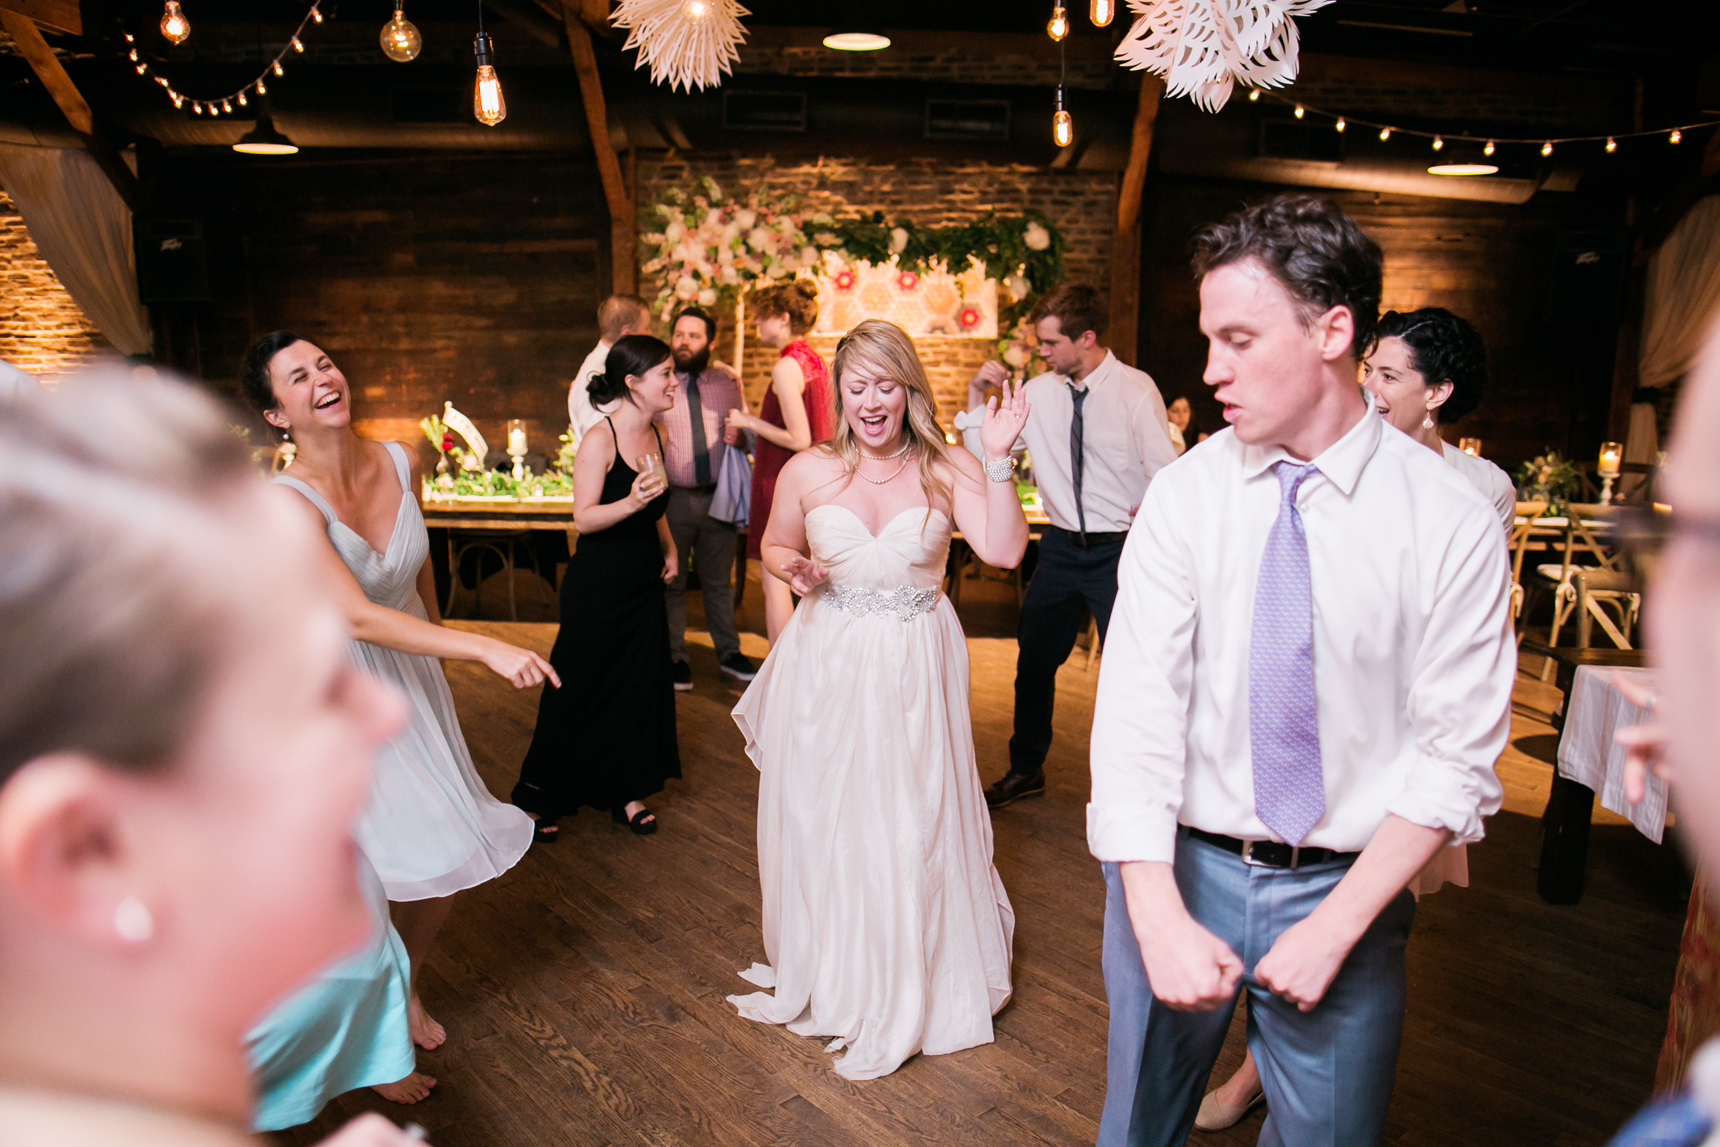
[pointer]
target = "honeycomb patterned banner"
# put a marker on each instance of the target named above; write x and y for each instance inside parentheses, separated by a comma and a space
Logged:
(932, 302)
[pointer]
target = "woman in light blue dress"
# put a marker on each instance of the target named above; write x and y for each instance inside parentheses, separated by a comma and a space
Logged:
(344, 1030)
(431, 827)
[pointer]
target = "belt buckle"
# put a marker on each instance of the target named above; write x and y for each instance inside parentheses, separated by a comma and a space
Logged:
(1248, 856)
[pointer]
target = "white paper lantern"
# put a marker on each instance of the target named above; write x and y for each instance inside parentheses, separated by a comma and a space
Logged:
(1203, 48)
(685, 42)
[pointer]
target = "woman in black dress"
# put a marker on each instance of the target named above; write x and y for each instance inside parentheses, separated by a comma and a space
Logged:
(606, 738)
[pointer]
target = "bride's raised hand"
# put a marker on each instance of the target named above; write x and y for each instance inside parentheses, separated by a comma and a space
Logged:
(804, 575)
(1005, 418)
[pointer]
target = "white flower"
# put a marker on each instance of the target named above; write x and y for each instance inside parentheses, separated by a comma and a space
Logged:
(707, 298)
(731, 275)
(825, 239)
(1018, 286)
(898, 239)
(746, 219)
(687, 287)
(808, 256)
(1036, 237)
(760, 239)
(674, 231)
(1016, 355)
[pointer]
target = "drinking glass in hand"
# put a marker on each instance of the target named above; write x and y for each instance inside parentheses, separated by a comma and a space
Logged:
(652, 465)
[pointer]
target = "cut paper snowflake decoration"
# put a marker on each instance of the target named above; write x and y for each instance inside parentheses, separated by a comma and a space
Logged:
(686, 42)
(1203, 48)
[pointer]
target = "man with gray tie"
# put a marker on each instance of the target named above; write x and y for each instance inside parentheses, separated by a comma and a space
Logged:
(694, 441)
(1097, 434)
(1307, 685)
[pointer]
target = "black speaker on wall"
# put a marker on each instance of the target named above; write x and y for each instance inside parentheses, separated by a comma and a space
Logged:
(172, 262)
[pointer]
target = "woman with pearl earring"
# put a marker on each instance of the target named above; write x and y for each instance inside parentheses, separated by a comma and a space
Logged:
(184, 748)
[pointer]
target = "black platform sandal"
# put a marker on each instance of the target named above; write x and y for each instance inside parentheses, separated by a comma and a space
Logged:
(637, 822)
(545, 831)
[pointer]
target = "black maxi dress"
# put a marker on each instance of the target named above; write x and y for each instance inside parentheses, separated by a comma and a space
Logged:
(607, 736)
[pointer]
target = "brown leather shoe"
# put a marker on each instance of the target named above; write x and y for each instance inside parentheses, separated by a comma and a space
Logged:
(1015, 786)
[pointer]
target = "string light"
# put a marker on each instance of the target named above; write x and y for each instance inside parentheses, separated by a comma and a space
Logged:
(1058, 26)
(175, 28)
(1254, 95)
(1101, 12)
(487, 103)
(400, 39)
(175, 25)
(1062, 125)
(1674, 134)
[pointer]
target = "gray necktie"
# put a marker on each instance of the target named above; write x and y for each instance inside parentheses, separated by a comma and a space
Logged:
(1077, 456)
(701, 449)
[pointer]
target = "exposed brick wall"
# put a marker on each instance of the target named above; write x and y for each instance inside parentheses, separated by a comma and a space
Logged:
(931, 193)
(42, 330)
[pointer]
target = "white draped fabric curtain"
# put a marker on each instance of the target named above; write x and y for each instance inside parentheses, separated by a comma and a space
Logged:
(83, 229)
(1682, 294)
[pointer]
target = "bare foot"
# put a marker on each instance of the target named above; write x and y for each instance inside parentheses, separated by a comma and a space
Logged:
(409, 1090)
(426, 1032)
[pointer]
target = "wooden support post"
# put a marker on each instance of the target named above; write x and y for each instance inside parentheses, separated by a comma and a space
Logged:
(1125, 314)
(55, 15)
(28, 40)
(623, 259)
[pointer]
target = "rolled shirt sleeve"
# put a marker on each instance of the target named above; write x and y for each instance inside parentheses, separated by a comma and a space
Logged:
(1140, 716)
(1459, 702)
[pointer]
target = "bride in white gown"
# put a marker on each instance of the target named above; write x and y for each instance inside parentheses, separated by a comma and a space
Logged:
(885, 924)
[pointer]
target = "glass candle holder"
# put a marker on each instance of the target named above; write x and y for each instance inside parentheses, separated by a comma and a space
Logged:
(1612, 453)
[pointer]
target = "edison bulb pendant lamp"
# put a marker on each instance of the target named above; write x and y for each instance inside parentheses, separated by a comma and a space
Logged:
(1102, 12)
(1062, 126)
(487, 102)
(174, 26)
(400, 39)
(1058, 26)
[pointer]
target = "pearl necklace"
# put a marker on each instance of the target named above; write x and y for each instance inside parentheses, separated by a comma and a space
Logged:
(885, 458)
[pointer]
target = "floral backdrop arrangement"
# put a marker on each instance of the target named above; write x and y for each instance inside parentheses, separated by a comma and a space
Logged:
(713, 247)
(455, 479)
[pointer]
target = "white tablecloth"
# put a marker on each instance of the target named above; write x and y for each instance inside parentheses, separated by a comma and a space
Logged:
(1589, 755)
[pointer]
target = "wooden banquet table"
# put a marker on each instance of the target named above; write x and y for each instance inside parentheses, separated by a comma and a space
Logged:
(496, 523)
(1591, 712)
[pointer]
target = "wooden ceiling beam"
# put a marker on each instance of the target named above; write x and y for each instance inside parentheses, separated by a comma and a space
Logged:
(27, 37)
(624, 273)
(1125, 310)
(55, 15)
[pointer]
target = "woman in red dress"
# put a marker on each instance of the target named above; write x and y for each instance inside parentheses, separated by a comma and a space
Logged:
(799, 411)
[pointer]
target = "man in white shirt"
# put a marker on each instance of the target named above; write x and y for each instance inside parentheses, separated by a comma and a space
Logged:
(1097, 434)
(617, 315)
(1304, 693)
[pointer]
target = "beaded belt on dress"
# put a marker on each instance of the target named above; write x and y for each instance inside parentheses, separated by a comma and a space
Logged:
(904, 601)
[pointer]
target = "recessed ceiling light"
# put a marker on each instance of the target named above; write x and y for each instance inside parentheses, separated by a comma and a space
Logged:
(857, 41)
(1463, 169)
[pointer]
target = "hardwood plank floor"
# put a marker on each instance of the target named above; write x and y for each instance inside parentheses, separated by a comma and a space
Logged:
(584, 991)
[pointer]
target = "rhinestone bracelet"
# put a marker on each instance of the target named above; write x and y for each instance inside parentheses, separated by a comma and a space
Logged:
(1000, 469)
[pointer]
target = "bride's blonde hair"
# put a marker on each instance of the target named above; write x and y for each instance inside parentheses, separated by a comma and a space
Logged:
(887, 347)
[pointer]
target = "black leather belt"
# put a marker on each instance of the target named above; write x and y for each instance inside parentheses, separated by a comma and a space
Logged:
(1091, 539)
(1270, 853)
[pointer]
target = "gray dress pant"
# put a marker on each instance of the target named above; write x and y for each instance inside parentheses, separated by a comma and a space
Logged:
(713, 542)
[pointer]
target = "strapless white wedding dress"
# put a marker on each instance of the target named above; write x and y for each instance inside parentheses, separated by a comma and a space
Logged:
(885, 923)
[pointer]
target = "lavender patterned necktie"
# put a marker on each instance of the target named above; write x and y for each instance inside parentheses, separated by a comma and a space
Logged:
(1283, 723)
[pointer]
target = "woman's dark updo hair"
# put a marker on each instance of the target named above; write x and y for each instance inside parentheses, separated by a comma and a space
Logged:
(1442, 348)
(254, 385)
(631, 355)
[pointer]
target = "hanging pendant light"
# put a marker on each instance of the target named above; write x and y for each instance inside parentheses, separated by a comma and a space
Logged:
(487, 102)
(1102, 12)
(264, 139)
(1058, 26)
(857, 31)
(400, 39)
(174, 26)
(1062, 126)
